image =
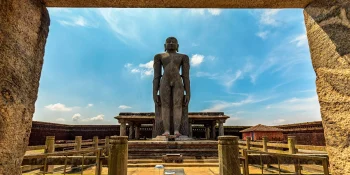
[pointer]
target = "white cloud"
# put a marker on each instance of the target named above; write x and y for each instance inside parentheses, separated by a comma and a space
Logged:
(60, 120)
(76, 21)
(297, 104)
(124, 107)
(214, 12)
(263, 34)
(197, 11)
(90, 105)
(148, 65)
(197, 59)
(268, 17)
(122, 22)
(267, 64)
(300, 40)
(58, 107)
(144, 70)
(76, 117)
(127, 65)
(97, 118)
(206, 74)
(135, 70)
(221, 105)
(230, 80)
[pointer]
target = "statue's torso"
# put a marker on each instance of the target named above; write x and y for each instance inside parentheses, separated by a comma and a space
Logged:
(171, 63)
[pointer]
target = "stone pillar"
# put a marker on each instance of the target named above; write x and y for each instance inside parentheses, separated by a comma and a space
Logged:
(328, 31)
(265, 140)
(248, 139)
(118, 156)
(213, 130)
(131, 130)
(137, 132)
(122, 128)
(291, 144)
(191, 132)
(24, 26)
(221, 128)
(229, 163)
(207, 132)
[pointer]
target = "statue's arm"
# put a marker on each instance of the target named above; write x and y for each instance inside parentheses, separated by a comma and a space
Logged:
(186, 75)
(157, 66)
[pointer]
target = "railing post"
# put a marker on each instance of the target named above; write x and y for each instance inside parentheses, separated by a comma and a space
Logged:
(95, 140)
(292, 150)
(248, 139)
(98, 170)
(228, 149)
(118, 156)
(265, 140)
(50, 148)
(77, 147)
(246, 162)
(78, 141)
(291, 144)
(325, 166)
(107, 145)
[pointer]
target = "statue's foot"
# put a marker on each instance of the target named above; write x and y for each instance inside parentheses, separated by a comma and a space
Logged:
(177, 133)
(166, 134)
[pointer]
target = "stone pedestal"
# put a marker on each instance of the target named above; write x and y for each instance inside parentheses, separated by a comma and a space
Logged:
(229, 163)
(118, 156)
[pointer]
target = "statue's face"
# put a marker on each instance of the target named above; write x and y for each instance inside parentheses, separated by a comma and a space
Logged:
(171, 44)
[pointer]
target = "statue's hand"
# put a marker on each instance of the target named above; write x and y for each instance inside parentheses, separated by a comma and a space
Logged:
(156, 100)
(186, 100)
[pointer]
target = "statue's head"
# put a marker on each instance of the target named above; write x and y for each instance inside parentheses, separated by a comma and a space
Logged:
(171, 45)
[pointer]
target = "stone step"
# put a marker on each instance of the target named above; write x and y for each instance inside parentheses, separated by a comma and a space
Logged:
(130, 165)
(137, 161)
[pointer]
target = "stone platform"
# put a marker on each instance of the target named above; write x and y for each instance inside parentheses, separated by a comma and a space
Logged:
(195, 149)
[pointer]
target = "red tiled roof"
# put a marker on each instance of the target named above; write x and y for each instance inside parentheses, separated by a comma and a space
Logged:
(261, 127)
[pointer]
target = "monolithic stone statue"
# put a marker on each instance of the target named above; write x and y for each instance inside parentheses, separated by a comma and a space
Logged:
(171, 86)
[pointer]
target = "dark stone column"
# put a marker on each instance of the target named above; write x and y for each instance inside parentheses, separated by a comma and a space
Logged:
(213, 130)
(24, 26)
(122, 127)
(328, 31)
(207, 132)
(131, 130)
(137, 131)
(221, 128)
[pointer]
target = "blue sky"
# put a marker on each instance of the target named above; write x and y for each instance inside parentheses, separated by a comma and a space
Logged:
(252, 64)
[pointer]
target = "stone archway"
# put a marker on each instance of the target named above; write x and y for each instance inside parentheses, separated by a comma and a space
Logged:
(24, 26)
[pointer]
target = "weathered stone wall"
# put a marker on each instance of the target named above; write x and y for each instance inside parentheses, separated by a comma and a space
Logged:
(328, 31)
(306, 138)
(24, 26)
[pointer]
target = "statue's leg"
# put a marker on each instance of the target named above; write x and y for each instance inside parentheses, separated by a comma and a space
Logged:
(178, 94)
(164, 92)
